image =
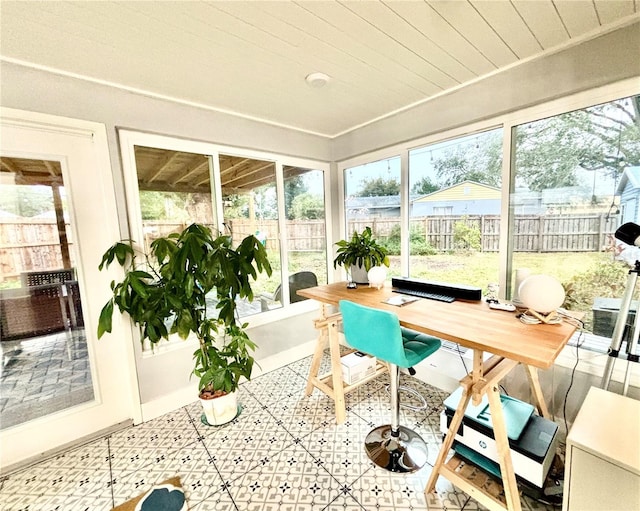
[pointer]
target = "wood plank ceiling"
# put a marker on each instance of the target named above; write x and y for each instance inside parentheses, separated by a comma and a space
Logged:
(250, 58)
(160, 170)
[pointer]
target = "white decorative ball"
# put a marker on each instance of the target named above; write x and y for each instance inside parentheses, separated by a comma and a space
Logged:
(377, 276)
(541, 293)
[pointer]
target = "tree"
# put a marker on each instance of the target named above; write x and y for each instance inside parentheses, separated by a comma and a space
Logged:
(481, 163)
(236, 206)
(26, 200)
(293, 187)
(603, 137)
(614, 135)
(307, 206)
(378, 187)
(424, 186)
(550, 152)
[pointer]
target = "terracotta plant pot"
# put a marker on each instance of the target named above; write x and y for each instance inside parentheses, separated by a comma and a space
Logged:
(220, 409)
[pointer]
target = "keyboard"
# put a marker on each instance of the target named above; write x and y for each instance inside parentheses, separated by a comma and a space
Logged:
(434, 290)
(426, 294)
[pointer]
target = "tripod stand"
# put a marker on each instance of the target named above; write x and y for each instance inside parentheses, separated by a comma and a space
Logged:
(618, 333)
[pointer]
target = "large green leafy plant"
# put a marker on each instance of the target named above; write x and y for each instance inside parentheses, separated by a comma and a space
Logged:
(361, 250)
(170, 293)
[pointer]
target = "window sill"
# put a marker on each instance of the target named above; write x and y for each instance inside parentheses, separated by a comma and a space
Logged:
(255, 321)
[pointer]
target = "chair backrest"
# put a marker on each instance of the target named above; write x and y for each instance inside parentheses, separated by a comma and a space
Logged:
(301, 280)
(373, 331)
(38, 278)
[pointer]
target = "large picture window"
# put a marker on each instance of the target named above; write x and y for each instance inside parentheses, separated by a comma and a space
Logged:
(572, 179)
(454, 209)
(575, 180)
(372, 199)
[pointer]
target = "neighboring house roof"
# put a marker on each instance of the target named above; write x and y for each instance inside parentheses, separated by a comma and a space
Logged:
(630, 176)
(376, 202)
(467, 190)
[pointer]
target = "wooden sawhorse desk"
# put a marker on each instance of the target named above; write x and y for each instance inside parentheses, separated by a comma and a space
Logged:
(470, 324)
(332, 383)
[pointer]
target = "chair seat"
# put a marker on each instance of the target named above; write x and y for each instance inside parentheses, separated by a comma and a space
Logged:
(378, 332)
(417, 346)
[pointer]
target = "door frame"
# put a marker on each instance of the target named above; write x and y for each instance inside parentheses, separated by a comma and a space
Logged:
(82, 148)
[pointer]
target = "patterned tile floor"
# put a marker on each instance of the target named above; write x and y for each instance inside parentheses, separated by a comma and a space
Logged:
(283, 452)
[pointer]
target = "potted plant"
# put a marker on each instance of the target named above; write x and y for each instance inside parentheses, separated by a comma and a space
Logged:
(358, 255)
(173, 293)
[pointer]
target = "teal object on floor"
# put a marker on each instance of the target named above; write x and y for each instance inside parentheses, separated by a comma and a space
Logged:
(516, 413)
(378, 332)
(163, 499)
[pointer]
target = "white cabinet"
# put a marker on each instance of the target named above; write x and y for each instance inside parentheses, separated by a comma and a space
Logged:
(603, 455)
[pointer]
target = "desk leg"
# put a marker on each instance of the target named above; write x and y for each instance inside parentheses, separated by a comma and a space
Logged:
(336, 372)
(504, 453)
(447, 443)
(316, 360)
(534, 382)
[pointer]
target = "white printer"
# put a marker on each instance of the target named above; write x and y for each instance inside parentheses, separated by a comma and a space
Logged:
(533, 439)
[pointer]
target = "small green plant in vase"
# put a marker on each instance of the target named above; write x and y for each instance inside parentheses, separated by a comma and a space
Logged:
(173, 292)
(358, 255)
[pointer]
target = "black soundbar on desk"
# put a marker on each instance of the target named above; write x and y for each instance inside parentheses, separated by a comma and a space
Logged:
(424, 288)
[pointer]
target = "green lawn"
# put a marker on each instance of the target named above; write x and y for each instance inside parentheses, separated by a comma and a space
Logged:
(478, 269)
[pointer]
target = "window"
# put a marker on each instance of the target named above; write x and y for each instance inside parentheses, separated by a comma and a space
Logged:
(172, 183)
(306, 227)
(372, 199)
(454, 204)
(174, 190)
(443, 210)
(250, 206)
(573, 175)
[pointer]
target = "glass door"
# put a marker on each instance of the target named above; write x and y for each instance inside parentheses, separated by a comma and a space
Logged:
(43, 343)
(57, 214)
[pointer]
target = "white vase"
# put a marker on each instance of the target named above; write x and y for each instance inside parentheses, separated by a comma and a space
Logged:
(359, 275)
(377, 275)
(220, 410)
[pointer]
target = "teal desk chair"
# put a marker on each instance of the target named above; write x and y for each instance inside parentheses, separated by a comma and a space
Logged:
(378, 332)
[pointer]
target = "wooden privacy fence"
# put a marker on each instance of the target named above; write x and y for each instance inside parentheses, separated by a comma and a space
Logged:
(303, 235)
(531, 233)
(28, 245)
(33, 245)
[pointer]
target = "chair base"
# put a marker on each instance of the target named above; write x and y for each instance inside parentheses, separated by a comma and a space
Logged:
(404, 453)
(416, 394)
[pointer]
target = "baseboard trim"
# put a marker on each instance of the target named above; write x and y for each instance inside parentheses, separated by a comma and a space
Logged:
(14, 467)
(169, 402)
(187, 395)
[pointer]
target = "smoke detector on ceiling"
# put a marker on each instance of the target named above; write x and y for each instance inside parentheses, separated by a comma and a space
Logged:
(317, 80)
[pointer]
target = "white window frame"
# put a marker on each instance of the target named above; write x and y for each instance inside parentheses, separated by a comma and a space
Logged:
(130, 138)
(592, 362)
